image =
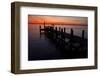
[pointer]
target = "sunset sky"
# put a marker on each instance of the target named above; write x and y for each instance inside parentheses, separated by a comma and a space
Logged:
(66, 20)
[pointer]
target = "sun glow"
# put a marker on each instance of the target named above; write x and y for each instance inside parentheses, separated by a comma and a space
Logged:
(33, 19)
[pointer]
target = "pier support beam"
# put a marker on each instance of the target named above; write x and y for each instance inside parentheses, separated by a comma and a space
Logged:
(82, 34)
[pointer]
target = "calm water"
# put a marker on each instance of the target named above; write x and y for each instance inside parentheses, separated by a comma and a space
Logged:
(40, 47)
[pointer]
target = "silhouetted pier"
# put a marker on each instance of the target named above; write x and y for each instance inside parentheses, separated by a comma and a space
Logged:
(67, 42)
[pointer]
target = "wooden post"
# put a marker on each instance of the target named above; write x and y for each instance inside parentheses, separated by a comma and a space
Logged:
(71, 39)
(71, 32)
(44, 23)
(82, 34)
(59, 29)
(40, 30)
(61, 32)
(52, 31)
(64, 30)
(56, 28)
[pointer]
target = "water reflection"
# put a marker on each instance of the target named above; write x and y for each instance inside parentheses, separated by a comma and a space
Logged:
(41, 47)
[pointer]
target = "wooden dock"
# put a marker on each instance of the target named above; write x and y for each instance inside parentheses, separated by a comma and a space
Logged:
(66, 41)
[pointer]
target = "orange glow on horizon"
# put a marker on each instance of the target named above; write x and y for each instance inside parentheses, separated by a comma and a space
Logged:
(33, 19)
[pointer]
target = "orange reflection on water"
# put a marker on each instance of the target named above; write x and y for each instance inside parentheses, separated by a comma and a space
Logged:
(34, 21)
